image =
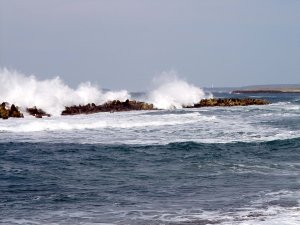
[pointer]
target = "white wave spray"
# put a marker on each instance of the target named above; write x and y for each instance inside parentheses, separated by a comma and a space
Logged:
(51, 95)
(172, 92)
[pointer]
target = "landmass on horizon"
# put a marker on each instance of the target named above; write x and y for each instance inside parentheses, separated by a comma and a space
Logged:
(266, 88)
(280, 88)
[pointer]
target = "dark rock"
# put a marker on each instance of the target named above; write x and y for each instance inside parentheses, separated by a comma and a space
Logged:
(228, 102)
(14, 112)
(111, 106)
(6, 111)
(38, 113)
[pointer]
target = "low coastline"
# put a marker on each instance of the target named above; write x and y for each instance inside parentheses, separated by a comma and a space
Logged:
(278, 90)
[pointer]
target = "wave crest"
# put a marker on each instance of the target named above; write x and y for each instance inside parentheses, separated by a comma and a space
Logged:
(172, 92)
(52, 95)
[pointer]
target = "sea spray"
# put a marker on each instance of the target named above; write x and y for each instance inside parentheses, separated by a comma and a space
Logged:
(172, 92)
(52, 95)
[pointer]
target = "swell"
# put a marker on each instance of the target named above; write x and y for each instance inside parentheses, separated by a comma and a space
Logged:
(292, 142)
(179, 183)
(284, 145)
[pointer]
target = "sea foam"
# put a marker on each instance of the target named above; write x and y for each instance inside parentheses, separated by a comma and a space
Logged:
(172, 92)
(52, 95)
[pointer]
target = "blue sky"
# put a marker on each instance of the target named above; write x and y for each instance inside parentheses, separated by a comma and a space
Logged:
(124, 44)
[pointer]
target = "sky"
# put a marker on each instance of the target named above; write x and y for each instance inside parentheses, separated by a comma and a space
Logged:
(125, 43)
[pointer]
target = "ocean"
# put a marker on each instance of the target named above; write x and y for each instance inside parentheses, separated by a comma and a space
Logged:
(219, 165)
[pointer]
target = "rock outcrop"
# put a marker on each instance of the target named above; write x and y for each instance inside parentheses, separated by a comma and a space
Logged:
(111, 106)
(12, 111)
(7, 111)
(228, 102)
(38, 113)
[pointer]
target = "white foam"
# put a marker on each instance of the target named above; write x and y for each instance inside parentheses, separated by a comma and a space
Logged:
(150, 127)
(270, 215)
(172, 92)
(254, 214)
(51, 95)
(100, 121)
(201, 125)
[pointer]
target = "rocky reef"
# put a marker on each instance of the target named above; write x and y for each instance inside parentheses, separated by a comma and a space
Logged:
(7, 111)
(111, 106)
(38, 113)
(229, 102)
(118, 106)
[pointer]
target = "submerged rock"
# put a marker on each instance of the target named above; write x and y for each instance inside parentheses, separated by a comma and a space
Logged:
(38, 113)
(111, 106)
(12, 111)
(228, 102)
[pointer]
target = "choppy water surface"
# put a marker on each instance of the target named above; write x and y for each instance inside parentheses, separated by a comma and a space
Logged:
(237, 165)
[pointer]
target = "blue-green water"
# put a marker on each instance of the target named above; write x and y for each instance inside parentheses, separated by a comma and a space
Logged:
(237, 165)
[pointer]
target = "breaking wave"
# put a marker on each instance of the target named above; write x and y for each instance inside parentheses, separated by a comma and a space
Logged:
(52, 95)
(172, 92)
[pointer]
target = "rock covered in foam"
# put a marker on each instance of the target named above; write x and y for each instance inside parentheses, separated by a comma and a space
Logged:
(229, 102)
(38, 113)
(12, 111)
(111, 106)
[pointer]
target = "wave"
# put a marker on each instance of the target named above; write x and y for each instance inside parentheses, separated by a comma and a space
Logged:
(176, 131)
(95, 122)
(172, 92)
(292, 142)
(52, 95)
(259, 215)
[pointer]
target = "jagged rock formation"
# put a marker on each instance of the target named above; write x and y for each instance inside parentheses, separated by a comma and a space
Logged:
(229, 102)
(38, 113)
(12, 111)
(111, 106)
(118, 106)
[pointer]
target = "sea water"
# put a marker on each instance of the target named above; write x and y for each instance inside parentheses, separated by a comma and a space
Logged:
(219, 165)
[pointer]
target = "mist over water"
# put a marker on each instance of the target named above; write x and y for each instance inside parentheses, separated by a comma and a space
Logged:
(52, 95)
(172, 92)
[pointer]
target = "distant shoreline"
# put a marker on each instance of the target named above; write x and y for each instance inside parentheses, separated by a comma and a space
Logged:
(275, 90)
(266, 88)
